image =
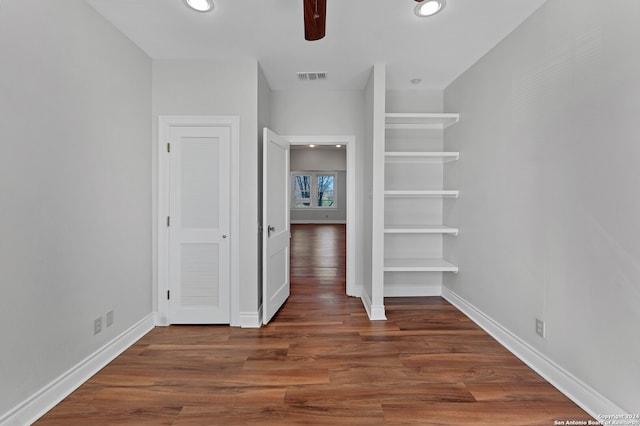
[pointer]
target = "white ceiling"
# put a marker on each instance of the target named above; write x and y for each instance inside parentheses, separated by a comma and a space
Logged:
(360, 33)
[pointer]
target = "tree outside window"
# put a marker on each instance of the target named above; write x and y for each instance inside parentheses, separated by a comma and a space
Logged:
(301, 191)
(313, 190)
(326, 190)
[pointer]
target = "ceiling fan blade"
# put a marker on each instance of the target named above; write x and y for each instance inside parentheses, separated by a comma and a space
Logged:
(315, 19)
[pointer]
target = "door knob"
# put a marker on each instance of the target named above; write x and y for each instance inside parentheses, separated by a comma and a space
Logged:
(270, 229)
(224, 236)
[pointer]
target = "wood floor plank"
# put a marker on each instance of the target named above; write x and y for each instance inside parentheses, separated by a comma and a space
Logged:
(187, 394)
(506, 392)
(518, 413)
(382, 393)
(281, 415)
(326, 362)
(320, 362)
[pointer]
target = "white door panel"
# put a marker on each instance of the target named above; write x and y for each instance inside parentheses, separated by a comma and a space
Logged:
(276, 238)
(199, 201)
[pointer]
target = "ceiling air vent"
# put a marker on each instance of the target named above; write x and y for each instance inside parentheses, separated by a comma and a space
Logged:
(312, 76)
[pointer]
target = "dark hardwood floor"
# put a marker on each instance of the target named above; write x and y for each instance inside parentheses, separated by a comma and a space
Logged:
(320, 361)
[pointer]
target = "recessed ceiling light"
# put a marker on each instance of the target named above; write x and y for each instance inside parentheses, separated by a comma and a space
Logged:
(312, 146)
(200, 5)
(429, 7)
(338, 146)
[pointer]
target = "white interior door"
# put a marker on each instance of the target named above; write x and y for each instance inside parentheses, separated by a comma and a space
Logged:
(199, 249)
(275, 220)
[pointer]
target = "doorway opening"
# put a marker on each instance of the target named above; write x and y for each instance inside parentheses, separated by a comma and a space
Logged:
(335, 195)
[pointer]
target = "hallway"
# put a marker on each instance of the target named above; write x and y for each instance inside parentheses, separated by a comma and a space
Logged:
(318, 261)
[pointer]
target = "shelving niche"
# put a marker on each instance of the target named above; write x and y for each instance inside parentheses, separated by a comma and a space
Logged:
(413, 199)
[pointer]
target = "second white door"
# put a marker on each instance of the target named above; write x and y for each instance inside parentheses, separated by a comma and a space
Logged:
(199, 223)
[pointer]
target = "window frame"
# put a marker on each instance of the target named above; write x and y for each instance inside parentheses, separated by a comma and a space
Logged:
(313, 174)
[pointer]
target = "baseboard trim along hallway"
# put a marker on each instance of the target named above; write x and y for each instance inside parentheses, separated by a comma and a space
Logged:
(583, 395)
(45, 399)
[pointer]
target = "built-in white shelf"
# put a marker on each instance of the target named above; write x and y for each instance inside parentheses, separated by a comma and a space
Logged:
(423, 193)
(420, 229)
(421, 157)
(413, 157)
(420, 120)
(418, 265)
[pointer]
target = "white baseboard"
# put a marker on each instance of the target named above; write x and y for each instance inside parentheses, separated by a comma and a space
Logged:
(160, 320)
(311, 222)
(356, 291)
(45, 399)
(251, 319)
(400, 290)
(583, 395)
(375, 313)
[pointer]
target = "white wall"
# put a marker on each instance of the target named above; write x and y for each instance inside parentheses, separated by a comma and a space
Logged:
(325, 113)
(366, 149)
(75, 228)
(206, 87)
(414, 100)
(550, 187)
(373, 288)
(331, 159)
(317, 113)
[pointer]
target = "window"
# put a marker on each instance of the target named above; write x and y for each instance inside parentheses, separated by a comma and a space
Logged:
(326, 190)
(301, 191)
(313, 190)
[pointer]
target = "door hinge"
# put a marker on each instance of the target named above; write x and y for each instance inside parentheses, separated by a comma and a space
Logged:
(168, 294)
(168, 147)
(168, 221)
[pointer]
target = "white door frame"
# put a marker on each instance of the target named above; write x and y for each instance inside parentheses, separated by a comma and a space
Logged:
(352, 246)
(161, 200)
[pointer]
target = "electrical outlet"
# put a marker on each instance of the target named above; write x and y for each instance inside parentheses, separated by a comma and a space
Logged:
(97, 325)
(110, 318)
(540, 327)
